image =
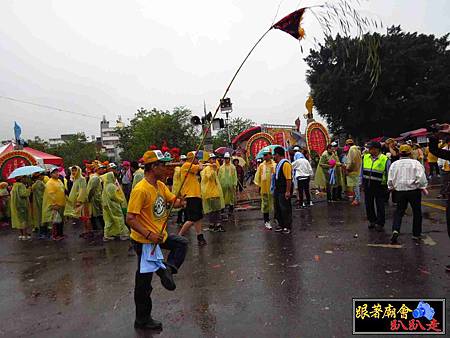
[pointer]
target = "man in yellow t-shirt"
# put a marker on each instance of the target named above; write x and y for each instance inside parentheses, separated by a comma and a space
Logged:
(191, 190)
(147, 216)
(433, 162)
(282, 184)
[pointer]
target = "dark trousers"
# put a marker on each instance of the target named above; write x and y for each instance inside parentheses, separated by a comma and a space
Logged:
(413, 197)
(283, 210)
(375, 196)
(143, 281)
(334, 193)
(434, 168)
(445, 178)
(98, 223)
(181, 216)
(303, 188)
(266, 216)
(448, 217)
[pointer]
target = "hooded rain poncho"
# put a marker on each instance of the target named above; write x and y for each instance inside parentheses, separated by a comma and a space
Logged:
(77, 196)
(20, 206)
(112, 201)
(212, 195)
(54, 196)
(38, 189)
(263, 179)
(322, 177)
(94, 195)
(228, 181)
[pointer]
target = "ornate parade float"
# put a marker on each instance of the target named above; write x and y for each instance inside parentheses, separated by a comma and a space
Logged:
(315, 139)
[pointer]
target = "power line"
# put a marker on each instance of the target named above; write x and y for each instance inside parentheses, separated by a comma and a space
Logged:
(49, 107)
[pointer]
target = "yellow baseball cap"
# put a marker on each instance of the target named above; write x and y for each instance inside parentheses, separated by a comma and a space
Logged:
(152, 156)
(405, 149)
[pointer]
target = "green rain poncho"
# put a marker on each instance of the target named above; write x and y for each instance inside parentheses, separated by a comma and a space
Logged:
(54, 196)
(94, 195)
(228, 181)
(212, 195)
(322, 176)
(38, 189)
(4, 201)
(77, 196)
(137, 177)
(112, 201)
(20, 206)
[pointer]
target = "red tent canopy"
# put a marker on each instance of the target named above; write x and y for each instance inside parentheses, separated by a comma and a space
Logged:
(41, 157)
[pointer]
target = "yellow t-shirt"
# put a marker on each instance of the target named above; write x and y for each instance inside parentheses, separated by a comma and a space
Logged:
(287, 170)
(191, 188)
(150, 207)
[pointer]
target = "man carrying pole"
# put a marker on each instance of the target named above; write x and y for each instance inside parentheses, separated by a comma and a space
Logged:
(147, 214)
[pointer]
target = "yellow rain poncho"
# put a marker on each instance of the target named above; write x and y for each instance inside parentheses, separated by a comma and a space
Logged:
(263, 179)
(137, 177)
(228, 181)
(112, 201)
(212, 195)
(38, 189)
(20, 206)
(77, 197)
(94, 195)
(54, 196)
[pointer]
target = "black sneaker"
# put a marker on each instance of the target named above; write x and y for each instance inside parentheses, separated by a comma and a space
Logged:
(394, 237)
(278, 229)
(371, 225)
(201, 240)
(220, 229)
(286, 231)
(151, 324)
(166, 278)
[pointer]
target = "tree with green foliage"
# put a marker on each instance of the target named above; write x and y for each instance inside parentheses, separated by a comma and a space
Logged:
(38, 144)
(154, 127)
(73, 150)
(236, 126)
(413, 86)
(76, 149)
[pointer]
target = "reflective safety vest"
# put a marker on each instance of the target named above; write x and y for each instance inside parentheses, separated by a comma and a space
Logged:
(375, 170)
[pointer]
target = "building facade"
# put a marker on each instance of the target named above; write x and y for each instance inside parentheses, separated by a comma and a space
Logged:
(110, 139)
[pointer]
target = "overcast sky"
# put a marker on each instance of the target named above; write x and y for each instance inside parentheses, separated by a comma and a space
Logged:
(108, 57)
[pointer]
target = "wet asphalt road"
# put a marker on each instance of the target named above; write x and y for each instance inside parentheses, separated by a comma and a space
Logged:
(248, 282)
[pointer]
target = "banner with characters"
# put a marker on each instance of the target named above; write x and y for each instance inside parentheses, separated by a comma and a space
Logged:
(256, 143)
(317, 137)
(13, 160)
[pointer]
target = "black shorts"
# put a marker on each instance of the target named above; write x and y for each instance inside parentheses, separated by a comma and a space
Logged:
(194, 209)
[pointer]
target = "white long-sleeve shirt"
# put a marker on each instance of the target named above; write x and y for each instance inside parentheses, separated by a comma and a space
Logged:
(407, 174)
(302, 168)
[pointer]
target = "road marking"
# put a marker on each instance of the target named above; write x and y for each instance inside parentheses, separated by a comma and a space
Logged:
(433, 205)
(389, 246)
